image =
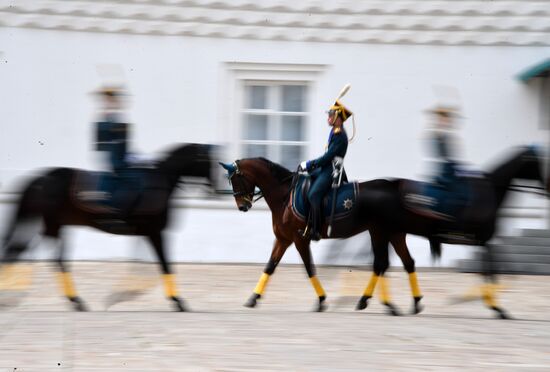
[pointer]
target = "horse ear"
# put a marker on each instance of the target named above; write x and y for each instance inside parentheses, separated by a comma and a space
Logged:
(228, 167)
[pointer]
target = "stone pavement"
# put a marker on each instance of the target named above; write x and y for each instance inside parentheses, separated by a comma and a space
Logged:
(282, 334)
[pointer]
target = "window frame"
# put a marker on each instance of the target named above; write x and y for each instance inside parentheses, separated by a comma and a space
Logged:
(274, 142)
(236, 74)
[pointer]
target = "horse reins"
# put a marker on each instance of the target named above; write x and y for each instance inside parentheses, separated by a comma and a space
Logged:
(536, 190)
(249, 197)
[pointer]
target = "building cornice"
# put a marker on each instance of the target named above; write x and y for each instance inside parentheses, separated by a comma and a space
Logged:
(450, 22)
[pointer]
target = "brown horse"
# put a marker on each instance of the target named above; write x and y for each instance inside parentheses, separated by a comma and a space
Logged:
(50, 202)
(274, 182)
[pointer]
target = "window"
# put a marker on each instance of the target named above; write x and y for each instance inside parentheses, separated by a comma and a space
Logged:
(274, 121)
(266, 110)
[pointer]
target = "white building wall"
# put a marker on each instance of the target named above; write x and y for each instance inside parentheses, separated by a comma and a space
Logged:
(180, 90)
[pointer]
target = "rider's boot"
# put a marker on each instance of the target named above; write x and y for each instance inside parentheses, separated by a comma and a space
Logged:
(316, 223)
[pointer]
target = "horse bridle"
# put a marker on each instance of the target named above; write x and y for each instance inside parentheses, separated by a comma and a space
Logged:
(247, 196)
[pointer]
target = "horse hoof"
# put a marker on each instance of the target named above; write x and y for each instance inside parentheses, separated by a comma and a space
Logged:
(252, 301)
(392, 310)
(501, 313)
(179, 307)
(417, 306)
(321, 306)
(78, 304)
(417, 309)
(363, 303)
(178, 304)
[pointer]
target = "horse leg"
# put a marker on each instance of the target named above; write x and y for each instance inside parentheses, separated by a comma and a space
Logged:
(279, 249)
(12, 276)
(380, 265)
(18, 238)
(489, 290)
(377, 269)
(169, 278)
(305, 253)
(369, 290)
(400, 245)
(65, 278)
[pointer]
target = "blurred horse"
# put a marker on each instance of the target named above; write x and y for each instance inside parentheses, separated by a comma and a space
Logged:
(276, 186)
(61, 197)
(389, 208)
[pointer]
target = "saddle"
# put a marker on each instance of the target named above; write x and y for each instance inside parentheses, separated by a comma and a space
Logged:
(139, 192)
(346, 196)
(470, 200)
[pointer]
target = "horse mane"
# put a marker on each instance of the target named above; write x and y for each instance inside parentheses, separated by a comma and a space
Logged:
(282, 174)
(175, 155)
(277, 170)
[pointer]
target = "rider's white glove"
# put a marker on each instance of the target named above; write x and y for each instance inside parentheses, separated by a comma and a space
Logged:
(303, 166)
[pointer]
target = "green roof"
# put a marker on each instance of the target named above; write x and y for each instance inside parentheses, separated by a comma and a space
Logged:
(541, 69)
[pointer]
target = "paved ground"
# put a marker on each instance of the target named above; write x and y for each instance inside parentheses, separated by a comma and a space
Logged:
(42, 334)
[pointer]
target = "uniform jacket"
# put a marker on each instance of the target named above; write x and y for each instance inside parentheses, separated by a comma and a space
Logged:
(445, 147)
(337, 146)
(112, 137)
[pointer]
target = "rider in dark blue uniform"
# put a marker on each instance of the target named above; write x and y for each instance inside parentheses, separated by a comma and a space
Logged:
(112, 132)
(112, 137)
(321, 169)
(444, 144)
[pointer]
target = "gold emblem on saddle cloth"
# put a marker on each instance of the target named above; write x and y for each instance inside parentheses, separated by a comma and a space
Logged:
(348, 204)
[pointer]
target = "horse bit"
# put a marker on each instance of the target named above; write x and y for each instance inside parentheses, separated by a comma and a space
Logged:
(248, 197)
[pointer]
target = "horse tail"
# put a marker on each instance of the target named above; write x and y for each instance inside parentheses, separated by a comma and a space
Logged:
(27, 214)
(435, 249)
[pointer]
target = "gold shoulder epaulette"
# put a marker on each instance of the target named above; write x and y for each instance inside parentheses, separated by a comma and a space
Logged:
(337, 130)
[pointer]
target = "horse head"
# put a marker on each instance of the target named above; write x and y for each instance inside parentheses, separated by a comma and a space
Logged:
(189, 160)
(272, 179)
(243, 187)
(525, 164)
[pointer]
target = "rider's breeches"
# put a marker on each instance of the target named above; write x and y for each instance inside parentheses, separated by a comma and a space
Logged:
(319, 188)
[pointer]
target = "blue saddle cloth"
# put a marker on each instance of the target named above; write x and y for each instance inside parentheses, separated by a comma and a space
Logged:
(345, 200)
(448, 200)
(468, 198)
(123, 191)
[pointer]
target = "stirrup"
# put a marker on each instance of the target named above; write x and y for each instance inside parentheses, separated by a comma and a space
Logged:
(305, 233)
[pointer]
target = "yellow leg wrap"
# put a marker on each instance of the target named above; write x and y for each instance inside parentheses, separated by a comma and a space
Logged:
(371, 286)
(66, 281)
(317, 286)
(489, 291)
(415, 289)
(384, 292)
(260, 287)
(170, 285)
